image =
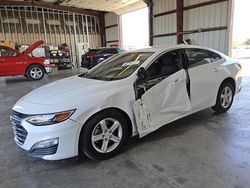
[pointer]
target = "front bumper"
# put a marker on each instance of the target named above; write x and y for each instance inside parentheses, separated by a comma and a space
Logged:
(48, 70)
(66, 132)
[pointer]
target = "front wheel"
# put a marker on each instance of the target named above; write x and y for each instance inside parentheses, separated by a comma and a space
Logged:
(35, 72)
(224, 98)
(103, 135)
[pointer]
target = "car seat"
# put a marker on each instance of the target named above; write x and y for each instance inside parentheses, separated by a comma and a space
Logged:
(168, 65)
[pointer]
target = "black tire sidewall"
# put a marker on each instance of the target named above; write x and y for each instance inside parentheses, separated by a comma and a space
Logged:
(85, 145)
(29, 69)
(218, 107)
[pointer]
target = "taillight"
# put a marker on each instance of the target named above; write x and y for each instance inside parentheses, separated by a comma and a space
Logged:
(93, 57)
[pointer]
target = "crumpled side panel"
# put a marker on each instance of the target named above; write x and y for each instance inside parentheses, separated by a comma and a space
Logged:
(162, 104)
(142, 117)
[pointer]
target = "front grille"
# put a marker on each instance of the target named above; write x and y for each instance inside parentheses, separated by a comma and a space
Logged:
(18, 130)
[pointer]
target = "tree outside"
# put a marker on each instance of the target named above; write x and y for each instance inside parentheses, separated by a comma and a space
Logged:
(247, 42)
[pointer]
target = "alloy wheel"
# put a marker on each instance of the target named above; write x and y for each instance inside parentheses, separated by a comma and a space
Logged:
(106, 135)
(226, 97)
(36, 73)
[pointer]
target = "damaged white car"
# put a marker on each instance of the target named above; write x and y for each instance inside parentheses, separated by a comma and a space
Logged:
(130, 93)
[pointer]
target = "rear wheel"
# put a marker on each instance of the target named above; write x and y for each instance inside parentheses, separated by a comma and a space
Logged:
(103, 135)
(35, 72)
(225, 98)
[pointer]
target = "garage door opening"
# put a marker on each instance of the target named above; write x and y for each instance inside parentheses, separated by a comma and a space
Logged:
(241, 35)
(135, 29)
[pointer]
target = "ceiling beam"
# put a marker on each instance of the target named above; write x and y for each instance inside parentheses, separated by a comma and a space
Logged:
(206, 3)
(61, 1)
(50, 6)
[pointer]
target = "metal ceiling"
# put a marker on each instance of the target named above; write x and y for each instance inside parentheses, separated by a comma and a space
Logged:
(117, 6)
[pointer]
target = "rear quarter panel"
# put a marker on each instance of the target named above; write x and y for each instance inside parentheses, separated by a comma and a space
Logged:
(234, 70)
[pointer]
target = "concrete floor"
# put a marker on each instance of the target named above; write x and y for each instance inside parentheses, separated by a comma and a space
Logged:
(202, 150)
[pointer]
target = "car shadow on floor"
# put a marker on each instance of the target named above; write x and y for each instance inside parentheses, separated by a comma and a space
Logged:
(15, 79)
(176, 128)
(56, 75)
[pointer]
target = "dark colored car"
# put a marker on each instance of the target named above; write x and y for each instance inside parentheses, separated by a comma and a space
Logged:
(97, 55)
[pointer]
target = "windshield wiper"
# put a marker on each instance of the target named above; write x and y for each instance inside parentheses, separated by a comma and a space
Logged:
(92, 77)
(85, 75)
(82, 75)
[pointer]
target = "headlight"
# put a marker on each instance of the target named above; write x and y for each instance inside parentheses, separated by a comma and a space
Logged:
(48, 119)
(46, 62)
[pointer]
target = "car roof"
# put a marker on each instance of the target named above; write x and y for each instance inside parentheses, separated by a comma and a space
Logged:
(159, 49)
(3, 46)
(104, 48)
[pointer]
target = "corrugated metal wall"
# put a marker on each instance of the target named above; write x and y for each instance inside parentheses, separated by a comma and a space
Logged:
(112, 29)
(192, 2)
(195, 21)
(211, 16)
(164, 24)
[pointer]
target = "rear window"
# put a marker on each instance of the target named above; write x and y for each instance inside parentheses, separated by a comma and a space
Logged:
(6, 52)
(198, 57)
(108, 51)
(94, 50)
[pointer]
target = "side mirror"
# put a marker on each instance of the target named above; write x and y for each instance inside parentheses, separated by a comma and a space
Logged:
(142, 75)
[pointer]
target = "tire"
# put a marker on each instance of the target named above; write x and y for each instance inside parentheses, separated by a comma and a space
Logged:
(107, 141)
(225, 98)
(35, 72)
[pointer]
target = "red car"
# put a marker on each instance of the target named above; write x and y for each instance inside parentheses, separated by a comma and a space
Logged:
(13, 63)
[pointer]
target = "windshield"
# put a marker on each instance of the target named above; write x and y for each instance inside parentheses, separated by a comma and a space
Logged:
(118, 67)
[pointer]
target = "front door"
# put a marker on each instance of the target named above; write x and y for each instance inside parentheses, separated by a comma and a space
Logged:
(165, 98)
(9, 62)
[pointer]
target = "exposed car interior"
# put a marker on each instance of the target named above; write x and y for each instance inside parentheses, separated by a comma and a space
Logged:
(163, 67)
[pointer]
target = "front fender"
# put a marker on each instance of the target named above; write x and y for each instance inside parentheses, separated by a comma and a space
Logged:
(123, 100)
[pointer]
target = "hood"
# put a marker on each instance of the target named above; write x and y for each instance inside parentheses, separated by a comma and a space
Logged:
(75, 93)
(71, 89)
(32, 47)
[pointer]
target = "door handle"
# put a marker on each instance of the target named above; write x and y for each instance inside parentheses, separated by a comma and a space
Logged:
(2, 59)
(176, 81)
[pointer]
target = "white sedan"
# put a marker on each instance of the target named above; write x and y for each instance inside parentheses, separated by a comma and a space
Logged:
(128, 94)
